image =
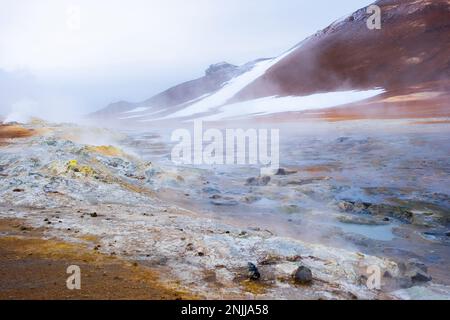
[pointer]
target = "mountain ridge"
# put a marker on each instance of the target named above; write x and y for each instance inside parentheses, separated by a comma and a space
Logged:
(344, 57)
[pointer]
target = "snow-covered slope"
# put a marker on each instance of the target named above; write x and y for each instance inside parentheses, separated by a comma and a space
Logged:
(343, 64)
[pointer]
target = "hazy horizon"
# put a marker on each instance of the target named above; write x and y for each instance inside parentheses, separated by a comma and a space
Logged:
(84, 55)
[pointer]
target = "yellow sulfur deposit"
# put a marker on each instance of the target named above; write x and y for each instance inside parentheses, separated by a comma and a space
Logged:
(87, 171)
(105, 150)
(72, 165)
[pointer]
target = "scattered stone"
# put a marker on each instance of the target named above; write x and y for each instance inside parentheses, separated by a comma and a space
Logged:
(93, 214)
(18, 190)
(224, 201)
(387, 274)
(421, 277)
(253, 272)
(342, 139)
(384, 210)
(258, 181)
(303, 275)
(414, 271)
(284, 172)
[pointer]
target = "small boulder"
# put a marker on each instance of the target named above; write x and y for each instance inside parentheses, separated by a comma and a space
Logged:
(253, 272)
(414, 271)
(420, 276)
(217, 200)
(258, 181)
(283, 172)
(303, 275)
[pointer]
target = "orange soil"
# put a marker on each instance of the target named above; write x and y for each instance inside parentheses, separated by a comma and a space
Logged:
(34, 268)
(14, 131)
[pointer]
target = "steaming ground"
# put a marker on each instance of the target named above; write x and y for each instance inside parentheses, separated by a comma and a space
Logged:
(351, 196)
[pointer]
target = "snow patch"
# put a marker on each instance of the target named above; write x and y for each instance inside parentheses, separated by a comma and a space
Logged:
(271, 105)
(230, 89)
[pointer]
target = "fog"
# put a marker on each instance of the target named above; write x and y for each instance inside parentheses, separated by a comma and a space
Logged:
(62, 58)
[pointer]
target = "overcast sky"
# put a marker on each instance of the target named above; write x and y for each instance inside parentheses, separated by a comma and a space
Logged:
(89, 53)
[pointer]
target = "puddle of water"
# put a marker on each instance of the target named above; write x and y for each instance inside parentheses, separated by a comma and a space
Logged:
(381, 233)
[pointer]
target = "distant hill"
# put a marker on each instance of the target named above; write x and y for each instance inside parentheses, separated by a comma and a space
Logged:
(371, 72)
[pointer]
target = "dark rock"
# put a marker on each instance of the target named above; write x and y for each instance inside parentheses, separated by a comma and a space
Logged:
(18, 190)
(258, 181)
(224, 201)
(387, 274)
(342, 139)
(384, 210)
(414, 271)
(93, 214)
(303, 275)
(253, 272)
(420, 277)
(283, 172)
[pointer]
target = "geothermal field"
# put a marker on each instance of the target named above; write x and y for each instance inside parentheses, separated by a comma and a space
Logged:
(321, 173)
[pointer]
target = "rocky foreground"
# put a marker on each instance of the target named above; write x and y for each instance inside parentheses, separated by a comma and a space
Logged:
(69, 202)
